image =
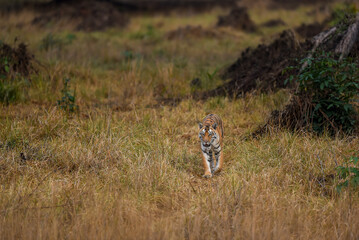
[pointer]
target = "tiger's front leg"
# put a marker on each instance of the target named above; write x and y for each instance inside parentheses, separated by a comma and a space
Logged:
(207, 163)
(211, 161)
(219, 159)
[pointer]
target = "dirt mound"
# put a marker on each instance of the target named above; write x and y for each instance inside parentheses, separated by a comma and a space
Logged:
(128, 6)
(238, 18)
(261, 68)
(15, 61)
(341, 41)
(90, 15)
(293, 4)
(310, 30)
(163, 6)
(191, 31)
(274, 23)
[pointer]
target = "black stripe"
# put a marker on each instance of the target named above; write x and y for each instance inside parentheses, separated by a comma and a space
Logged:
(217, 147)
(218, 152)
(208, 154)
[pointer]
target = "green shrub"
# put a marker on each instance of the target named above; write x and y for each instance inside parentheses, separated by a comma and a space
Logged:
(9, 92)
(68, 99)
(331, 86)
(349, 174)
(16, 69)
(5, 68)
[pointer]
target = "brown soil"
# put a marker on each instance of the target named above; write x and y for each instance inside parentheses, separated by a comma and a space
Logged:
(293, 4)
(90, 15)
(274, 23)
(191, 31)
(238, 18)
(129, 6)
(261, 68)
(15, 61)
(163, 6)
(310, 30)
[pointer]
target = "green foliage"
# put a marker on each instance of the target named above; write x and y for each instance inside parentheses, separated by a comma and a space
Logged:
(13, 69)
(9, 92)
(212, 75)
(68, 99)
(343, 14)
(349, 174)
(331, 85)
(4, 65)
(5, 68)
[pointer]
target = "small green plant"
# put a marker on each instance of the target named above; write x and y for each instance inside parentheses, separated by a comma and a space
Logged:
(5, 68)
(68, 99)
(212, 75)
(9, 92)
(331, 86)
(349, 174)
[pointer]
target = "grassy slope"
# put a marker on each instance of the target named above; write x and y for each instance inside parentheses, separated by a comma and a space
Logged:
(135, 174)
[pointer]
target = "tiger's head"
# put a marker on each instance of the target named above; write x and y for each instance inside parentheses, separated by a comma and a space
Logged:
(208, 134)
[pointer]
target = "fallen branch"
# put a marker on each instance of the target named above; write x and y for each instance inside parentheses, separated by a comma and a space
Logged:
(318, 40)
(347, 42)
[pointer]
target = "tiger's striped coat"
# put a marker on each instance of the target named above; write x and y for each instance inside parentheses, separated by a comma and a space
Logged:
(211, 136)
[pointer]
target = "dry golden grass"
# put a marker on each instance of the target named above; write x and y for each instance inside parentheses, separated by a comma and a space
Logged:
(124, 169)
(136, 175)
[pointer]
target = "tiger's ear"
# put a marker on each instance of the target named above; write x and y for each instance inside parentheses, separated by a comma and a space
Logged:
(200, 125)
(214, 126)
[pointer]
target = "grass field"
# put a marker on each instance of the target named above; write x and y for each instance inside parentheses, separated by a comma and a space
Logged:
(124, 167)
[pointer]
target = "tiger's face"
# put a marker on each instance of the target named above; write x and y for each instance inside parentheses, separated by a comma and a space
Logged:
(208, 135)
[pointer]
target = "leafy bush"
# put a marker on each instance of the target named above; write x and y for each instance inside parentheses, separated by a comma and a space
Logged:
(5, 68)
(331, 85)
(15, 61)
(68, 99)
(16, 69)
(349, 174)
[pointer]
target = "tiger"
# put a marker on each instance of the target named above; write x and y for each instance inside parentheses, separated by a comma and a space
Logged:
(211, 136)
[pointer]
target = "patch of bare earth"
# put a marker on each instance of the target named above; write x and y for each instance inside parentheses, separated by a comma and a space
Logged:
(191, 31)
(90, 15)
(238, 18)
(262, 68)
